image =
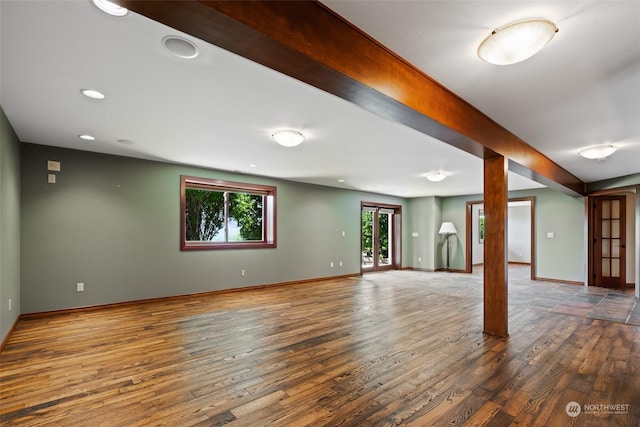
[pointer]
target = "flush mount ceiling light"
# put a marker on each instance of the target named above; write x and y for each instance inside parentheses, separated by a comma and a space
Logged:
(180, 47)
(87, 137)
(435, 176)
(517, 41)
(110, 8)
(288, 137)
(94, 94)
(599, 152)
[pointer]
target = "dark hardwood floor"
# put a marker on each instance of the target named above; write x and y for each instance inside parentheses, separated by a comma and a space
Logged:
(393, 348)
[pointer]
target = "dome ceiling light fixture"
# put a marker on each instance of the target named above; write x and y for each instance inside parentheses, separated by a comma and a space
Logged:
(599, 152)
(110, 8)
(517, 41)
(288, 137)
(435, 176)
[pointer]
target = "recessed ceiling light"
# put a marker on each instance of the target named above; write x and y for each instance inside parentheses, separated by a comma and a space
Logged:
(110, 7)
(180, 47)
(517, 41)
(125, 141)
(288, 137)
(253, 165)
(87, 137)
(599, 152)
(435, 176)
(94, 94)
(341, 180)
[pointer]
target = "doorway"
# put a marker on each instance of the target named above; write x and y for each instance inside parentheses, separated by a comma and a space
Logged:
(380, 236)
(609, 241)
(521, 242)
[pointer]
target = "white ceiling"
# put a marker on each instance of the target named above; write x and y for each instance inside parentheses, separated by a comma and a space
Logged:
(219, 110)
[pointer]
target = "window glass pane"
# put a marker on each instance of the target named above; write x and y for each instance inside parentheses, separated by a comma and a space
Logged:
(606, 226)
(384, 228)
(605, 248)
(367, 238)
(615, 248)
(615, 267)
(245, 217)
(606, 209)
(204, 215)
(615, 228)
(615, 209)
(605, 268)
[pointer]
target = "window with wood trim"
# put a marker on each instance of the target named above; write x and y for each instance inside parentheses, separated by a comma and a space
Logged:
(217, 214)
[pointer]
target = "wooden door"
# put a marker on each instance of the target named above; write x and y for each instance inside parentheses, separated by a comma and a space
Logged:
(609, 241)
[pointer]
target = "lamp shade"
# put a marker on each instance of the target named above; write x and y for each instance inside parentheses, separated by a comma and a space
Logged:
(447, 228)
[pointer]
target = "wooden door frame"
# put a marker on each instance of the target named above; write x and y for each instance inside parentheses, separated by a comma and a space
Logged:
(589, 232)
(396, 238)
(469, 237)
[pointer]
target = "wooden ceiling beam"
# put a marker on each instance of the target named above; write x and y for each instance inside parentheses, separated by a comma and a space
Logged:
(307, 41)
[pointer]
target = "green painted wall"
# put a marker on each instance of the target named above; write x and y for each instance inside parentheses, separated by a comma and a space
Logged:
(112, 223)
(562, 257)
(9, 226)
(425, 219)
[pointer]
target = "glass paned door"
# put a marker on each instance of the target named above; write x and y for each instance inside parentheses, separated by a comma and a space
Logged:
(367, 237)
(609, 241)
(385, 237)
(379, 239)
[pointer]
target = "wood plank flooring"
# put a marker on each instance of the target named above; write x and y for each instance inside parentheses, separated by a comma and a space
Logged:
(395, 348)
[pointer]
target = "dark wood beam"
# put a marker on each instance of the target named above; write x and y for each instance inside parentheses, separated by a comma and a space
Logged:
(307, 41)
(496, 199)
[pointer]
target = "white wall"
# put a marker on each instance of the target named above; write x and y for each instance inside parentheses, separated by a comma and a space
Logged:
(477, 248)
(519, 231)
(519, 234)
(631, 237)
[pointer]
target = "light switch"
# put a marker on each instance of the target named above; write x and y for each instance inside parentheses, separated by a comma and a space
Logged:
(414, 234)
(551, 235)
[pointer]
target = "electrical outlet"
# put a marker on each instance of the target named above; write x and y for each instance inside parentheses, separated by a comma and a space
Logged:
(419, 259)
(9, 304)
(340, 264)
(242, 273)
(79, 287)
(51, 178)
(331, 265)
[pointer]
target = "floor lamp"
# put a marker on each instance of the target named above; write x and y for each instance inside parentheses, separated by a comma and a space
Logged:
(448, 228)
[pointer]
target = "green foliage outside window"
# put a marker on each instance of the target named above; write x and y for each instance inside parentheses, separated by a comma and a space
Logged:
(246, 209)
(204, 214)
(207, 213)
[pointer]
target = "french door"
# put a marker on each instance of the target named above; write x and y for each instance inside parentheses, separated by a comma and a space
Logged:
(609, 241)
(380, 237)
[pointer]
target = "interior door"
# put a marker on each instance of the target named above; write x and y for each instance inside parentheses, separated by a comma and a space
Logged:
(609, 241)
